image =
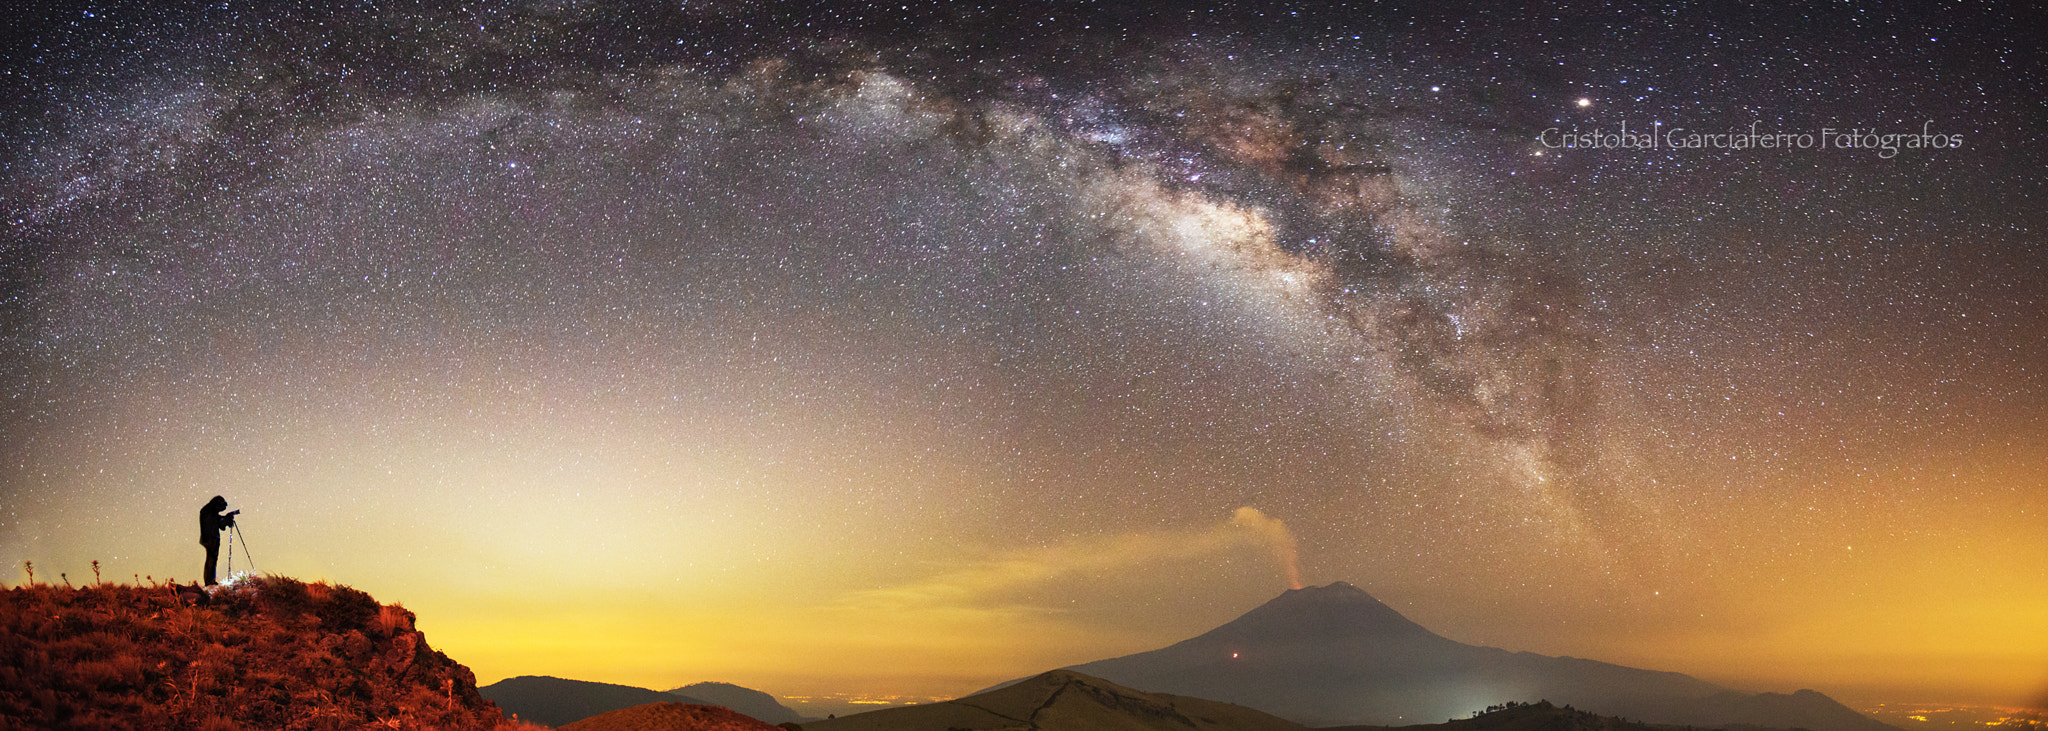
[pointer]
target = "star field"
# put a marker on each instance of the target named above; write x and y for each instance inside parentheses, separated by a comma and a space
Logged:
(758, 344)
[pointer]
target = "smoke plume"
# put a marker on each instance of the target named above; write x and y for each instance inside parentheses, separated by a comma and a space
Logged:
(1004, 579)
(1277, 538)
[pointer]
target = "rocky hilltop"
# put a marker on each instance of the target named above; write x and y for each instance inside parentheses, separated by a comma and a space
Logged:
(269, 652)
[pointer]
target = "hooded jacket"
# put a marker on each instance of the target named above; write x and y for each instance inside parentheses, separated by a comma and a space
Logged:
(211, 522)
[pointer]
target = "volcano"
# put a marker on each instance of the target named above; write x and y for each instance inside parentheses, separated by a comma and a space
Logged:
(1334, 655)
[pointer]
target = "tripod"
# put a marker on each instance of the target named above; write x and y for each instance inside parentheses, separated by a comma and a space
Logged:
(234, 536)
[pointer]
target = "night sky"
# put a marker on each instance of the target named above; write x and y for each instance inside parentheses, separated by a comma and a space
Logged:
(908, 348)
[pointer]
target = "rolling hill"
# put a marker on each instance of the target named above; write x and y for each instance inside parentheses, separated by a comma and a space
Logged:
(1062, 700)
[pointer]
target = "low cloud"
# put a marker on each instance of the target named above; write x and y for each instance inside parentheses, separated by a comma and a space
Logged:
(992, 581)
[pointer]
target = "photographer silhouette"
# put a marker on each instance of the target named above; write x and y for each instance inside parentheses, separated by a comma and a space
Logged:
(211, 523)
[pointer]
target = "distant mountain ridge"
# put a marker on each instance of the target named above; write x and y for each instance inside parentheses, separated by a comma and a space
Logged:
(1334, 655)
(744, 700)
(559, 701)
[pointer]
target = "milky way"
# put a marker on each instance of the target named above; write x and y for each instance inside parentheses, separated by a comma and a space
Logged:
(818, 294)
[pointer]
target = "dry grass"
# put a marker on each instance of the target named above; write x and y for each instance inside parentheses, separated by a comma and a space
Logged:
(267, 653)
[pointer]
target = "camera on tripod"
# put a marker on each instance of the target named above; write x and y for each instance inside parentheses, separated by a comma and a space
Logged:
(227, 519)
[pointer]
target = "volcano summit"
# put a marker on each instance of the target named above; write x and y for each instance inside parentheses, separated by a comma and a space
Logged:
(1333, 655)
